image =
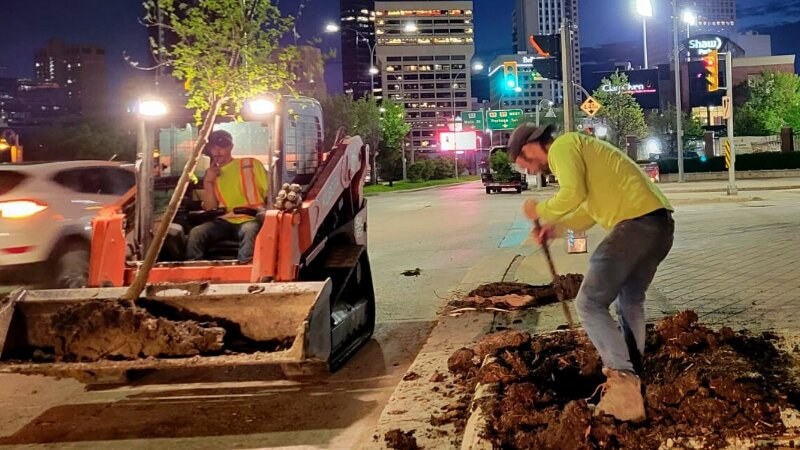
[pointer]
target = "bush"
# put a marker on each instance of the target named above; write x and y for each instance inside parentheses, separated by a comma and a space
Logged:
(750, 161)
(443, 168)
(421, 171)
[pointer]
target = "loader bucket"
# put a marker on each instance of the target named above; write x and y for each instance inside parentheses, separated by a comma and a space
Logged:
(295, 313)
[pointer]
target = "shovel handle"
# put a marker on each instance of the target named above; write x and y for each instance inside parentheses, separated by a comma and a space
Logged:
(537, 226)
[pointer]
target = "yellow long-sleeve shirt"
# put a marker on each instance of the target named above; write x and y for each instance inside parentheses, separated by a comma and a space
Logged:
(598, 184)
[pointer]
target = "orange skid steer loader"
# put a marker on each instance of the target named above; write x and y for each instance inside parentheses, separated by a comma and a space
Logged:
(308, 285)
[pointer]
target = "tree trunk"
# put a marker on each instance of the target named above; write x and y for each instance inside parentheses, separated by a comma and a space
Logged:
(136, 288)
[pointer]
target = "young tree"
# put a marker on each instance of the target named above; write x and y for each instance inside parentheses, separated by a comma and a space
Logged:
(665, 123)
(774, 102)
(366, 122)
(226, 52)
(623, 115)
(394, 130)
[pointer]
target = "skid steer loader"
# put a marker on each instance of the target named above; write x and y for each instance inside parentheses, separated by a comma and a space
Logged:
(309, 283)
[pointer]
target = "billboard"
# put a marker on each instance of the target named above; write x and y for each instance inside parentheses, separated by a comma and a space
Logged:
(458, 141)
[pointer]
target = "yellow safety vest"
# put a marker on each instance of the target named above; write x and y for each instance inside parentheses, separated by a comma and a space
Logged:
(241, 183)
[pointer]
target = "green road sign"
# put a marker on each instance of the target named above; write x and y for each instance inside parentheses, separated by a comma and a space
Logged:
(504, 119)
(473, 119)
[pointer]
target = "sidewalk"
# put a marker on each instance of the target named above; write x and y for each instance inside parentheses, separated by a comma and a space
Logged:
(765, 184)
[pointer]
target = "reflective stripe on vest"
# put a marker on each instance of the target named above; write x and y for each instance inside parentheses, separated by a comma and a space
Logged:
(249, 183)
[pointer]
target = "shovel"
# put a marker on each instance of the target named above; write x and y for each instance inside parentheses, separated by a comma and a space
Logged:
(537, 226)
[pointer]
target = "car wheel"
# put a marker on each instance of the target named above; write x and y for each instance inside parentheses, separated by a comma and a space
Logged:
(488, 190)
(71, 266)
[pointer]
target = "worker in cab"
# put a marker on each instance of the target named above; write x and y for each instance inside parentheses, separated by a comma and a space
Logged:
(229, 183)
(599, 184)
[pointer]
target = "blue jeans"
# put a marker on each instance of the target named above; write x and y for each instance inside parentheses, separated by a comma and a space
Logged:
(203, 236)
(621, 269)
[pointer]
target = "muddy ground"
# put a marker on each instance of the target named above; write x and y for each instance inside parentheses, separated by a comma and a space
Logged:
(512, 296)
(701, 384)
(98, 330)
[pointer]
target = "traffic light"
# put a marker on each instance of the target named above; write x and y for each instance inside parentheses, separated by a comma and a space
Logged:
(711, 62)
(510, 76)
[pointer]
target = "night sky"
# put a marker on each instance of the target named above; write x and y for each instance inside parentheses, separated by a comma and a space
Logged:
(113, 24)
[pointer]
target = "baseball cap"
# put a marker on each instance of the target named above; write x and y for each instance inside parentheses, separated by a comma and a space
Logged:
(526, 134)
(220, 138)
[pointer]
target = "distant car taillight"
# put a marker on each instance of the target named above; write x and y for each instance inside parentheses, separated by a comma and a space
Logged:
(20, 209)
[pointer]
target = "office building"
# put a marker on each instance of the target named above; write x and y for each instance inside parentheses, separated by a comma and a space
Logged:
(542, 19)
(358, 41)
(536, 82)
(425, 50)
(80, 70)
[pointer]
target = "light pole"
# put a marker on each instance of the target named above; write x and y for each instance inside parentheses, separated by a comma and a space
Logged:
(645, 9)
(373, 70)
(678, 107)
(147, 109)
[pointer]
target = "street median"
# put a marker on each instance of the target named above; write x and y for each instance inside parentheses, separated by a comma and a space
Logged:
(407, 186)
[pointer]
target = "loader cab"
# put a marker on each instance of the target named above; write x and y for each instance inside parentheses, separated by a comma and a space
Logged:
(295, 154)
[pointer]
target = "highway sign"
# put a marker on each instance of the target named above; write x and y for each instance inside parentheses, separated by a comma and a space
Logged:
(503, 119)
(473, 119)
(591, 106)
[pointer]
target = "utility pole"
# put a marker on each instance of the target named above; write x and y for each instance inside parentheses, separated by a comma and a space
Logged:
(729, 92)
(678, 107)
(567, 75)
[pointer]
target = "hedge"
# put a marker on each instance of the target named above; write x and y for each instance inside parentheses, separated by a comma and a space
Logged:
(750, 161)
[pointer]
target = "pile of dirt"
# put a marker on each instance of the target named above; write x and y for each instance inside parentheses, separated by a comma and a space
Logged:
(701, 386)
(98, 330)
(398, 440)
(507, 295)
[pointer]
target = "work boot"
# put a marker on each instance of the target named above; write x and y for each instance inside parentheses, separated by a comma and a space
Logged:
(622, 396)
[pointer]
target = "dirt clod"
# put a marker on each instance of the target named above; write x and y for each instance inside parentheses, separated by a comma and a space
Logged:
(398, 440)
(98, 330)
(701, 384)
(495, 342)
(513, 296)
(462, 361)
(437, 377)
(411, 376)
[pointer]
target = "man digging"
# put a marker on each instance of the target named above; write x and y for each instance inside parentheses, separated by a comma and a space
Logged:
(600, 184)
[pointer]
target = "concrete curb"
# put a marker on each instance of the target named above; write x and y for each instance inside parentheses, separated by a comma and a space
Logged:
(457, 183)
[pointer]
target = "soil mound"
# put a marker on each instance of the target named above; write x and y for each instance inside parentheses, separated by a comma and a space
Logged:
(98, 330)
(701, 386)
(398, 440)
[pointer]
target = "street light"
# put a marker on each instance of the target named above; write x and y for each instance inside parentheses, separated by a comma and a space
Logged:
(645, 9)
(477, 66)
(690, 19)
(550, 112)
(331, 27)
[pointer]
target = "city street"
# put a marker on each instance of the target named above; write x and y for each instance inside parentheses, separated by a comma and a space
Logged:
(735, 261)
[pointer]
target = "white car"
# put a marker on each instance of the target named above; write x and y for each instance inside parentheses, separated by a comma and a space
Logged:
(46, 211)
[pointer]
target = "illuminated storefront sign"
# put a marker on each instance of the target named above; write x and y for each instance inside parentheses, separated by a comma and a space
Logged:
(634, 89)
(705, 44)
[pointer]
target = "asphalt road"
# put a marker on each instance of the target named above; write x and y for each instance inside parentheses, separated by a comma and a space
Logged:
(445, 232)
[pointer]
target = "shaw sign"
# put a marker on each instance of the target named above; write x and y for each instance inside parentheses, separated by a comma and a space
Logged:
(705, 44)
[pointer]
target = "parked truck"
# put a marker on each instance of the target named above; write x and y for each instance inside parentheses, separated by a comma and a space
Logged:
(501, 174)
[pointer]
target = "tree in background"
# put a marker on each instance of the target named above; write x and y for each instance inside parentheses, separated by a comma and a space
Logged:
(501, 166)
(664, 123)
(773, 102)
(394, 130)
(337, 111)
(225, 52)
(75, 140)
(623, 115)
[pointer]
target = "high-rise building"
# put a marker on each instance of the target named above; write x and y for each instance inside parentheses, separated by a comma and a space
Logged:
(358, 41)
(80, 70)
(543, 18)
(713, 17)
(425, 50)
